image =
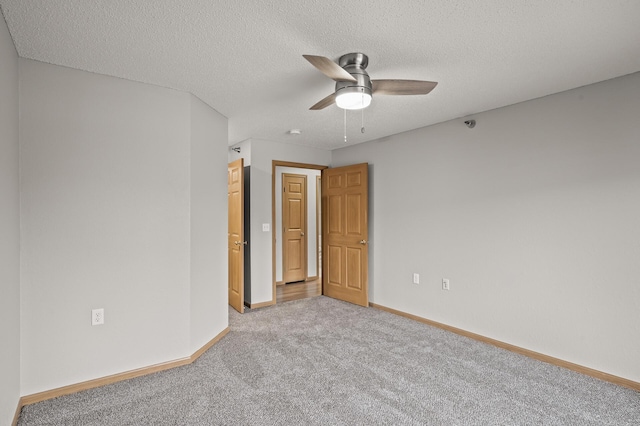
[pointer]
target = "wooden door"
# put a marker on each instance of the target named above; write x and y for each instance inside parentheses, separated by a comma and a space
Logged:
(294, 227)
(345, 199)
(236, 242)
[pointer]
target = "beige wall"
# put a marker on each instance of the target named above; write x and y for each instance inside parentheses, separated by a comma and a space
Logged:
(9, 229)
(532, 215)
(107, 185)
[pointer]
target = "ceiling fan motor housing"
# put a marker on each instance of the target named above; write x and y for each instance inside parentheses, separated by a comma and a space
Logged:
(354, 64)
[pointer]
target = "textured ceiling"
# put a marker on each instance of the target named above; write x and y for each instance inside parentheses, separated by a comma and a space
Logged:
(244, 58)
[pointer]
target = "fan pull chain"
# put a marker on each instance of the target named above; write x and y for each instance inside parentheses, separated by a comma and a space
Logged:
(345, 126)
(362, 128)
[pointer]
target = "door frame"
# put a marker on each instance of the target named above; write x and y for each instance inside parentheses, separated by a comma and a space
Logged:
(318, 226)
(274, 164)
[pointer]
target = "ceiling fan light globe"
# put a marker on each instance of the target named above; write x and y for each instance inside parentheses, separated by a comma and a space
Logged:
(353, 100)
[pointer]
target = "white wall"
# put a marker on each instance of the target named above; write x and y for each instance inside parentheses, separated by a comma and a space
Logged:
(9, 230)
(106, 219)
(262, 155)
(209, 313)
(312, 238)
(532, 215)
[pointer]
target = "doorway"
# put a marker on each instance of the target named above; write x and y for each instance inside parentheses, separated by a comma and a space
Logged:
(307, 282)
(340, 246)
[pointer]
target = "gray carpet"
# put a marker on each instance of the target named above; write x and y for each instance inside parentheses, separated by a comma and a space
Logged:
(324, 362)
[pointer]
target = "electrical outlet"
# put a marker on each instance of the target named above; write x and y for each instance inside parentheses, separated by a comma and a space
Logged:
(416, 278)
(445, 284)
(97, 316)
(265, 227)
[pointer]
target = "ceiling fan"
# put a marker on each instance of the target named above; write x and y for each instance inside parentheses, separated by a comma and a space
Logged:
(354, 88)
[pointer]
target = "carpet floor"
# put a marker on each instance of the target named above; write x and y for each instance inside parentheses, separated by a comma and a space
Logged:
(320, 361)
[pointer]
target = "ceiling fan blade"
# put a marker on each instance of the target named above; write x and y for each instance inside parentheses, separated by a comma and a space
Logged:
(329, 100)
(402, 87)
(329, 68)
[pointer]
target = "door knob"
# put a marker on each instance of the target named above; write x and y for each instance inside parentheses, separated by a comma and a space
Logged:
(363, 241)
(302, 234)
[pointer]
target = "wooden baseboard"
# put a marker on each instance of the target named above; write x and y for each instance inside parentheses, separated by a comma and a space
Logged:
(94, 383)
(208, 345)
(522, 351)
(260, 305)
(17, 415)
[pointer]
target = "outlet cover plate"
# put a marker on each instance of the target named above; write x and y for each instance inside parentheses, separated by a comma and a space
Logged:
(445, 284)
(97, 316)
